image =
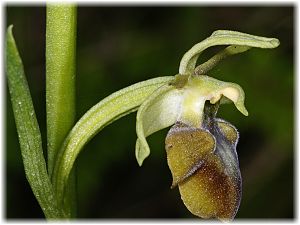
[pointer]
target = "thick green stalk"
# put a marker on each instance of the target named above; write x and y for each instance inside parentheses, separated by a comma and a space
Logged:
(29, 132)
(60, 75)
(60, 84)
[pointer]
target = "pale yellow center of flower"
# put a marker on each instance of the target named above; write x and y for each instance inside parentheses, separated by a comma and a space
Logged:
(203, 88)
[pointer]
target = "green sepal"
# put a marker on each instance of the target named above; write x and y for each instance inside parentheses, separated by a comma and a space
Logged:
(159, 111)
(223, 37)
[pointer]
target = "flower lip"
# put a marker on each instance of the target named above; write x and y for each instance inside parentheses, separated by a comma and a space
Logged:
(181, 142)
(204, 164)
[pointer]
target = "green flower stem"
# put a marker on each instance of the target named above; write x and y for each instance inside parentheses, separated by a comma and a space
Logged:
(28, 131)
(223, 37)
(60, 85)
(60, 75)
(105, 112)
(213, 61)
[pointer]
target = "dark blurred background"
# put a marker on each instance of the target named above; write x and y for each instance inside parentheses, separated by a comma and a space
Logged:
(119, 46)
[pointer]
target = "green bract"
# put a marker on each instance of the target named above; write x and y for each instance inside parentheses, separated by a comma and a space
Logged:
(102, 114)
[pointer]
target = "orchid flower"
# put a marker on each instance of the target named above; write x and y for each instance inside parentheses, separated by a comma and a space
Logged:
(201, 149)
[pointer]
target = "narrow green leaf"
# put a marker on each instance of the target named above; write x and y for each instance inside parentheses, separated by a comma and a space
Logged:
(223, 37)
(105, 112)
(28, 131)
(60, 86)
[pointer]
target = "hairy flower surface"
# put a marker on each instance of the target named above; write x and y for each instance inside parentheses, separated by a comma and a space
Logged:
(204, 165)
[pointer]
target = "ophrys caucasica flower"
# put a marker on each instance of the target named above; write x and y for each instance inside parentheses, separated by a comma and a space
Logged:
(201, 149)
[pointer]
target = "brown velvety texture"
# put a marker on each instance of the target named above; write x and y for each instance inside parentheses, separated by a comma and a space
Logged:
(204, 164)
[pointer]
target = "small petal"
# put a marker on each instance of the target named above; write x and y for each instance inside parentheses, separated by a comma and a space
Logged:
(186, 148)
(235, 93)
(159, 111)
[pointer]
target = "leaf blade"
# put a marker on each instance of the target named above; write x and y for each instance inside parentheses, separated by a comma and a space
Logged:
(28, 131)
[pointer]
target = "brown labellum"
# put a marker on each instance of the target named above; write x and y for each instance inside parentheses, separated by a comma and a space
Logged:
(204, 165)
(181, 143)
